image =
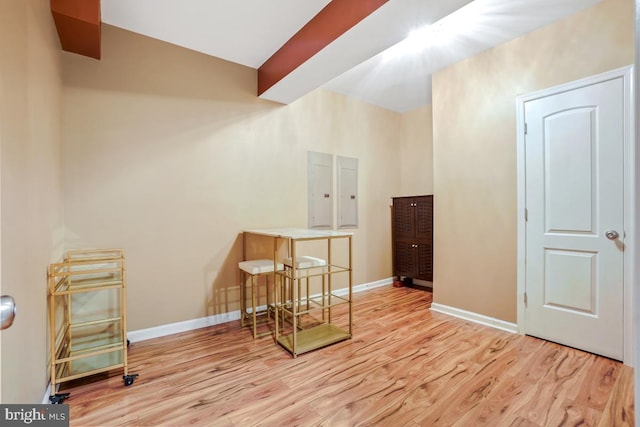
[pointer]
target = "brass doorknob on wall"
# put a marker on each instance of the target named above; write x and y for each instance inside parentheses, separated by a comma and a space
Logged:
(612, 234)
(7, 311)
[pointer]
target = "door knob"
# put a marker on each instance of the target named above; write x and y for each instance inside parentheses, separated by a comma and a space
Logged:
(612, 234)
(7, 311)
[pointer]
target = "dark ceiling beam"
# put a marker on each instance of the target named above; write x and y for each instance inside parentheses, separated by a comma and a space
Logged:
(78, 25)
(330, 23)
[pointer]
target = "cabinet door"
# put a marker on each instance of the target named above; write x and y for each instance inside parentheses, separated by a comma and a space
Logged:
(423, 218)
(424, 237)
(347, 192)
(424, 262)
(413, 237)
(320, 189)
(404, 261)
(403, 219)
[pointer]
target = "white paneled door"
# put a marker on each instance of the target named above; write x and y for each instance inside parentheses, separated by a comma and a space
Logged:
(574, 160)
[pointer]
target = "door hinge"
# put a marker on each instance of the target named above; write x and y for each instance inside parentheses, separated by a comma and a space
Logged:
(526, 214)
(525, 129)
(525, 299)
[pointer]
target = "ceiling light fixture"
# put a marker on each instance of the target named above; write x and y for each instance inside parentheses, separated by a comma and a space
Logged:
(420, 38)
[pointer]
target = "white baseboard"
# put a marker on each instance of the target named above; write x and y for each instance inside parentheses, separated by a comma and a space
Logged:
(366, 286)
(187, 325)
(475, 317)
(216, 319)
(47, 393)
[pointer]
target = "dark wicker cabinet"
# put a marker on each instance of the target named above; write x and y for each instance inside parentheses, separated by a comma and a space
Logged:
(412, 235)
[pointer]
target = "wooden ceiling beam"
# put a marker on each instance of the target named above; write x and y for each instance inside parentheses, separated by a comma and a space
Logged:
(79, 26)
(335, 19)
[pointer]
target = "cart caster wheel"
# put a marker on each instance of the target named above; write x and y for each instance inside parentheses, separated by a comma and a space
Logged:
(58, 398)
(128, 379)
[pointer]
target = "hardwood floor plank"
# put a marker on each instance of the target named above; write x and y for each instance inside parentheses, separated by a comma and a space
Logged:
(513, 387)
(519, 422)
(467, 396)
(404, 366)
(405, 410)
(499, 404)
(553, 388)
(595, 389)
(571, 414)
(619, 410)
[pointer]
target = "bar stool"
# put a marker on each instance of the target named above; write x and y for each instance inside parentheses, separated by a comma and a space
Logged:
(254, 269)
(301, 270)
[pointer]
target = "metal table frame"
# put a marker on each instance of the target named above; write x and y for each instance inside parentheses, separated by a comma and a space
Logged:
(303, 340)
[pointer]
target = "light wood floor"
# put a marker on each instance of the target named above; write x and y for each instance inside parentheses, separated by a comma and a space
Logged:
(405, 366)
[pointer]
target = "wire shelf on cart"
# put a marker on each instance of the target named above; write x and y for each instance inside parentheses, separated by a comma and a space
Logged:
(87, 316)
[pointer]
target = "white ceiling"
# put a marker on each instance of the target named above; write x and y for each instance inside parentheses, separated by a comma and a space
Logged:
(370, 62)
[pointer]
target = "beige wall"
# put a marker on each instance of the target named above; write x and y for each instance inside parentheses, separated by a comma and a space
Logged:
(31, 156)
(169, 154)
(416, 152)
(475, 148)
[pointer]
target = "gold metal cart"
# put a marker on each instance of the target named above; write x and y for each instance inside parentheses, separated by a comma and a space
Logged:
(294, 305)
(87, 317)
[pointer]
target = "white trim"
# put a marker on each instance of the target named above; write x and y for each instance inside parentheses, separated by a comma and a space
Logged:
(635, 275)
(365, 286)
(188, 325)
(475, 318)
(521, 206)
(629, 195)
(629, 213)
(47, 394)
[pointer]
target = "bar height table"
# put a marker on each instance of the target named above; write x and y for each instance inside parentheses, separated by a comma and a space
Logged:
(299, 340)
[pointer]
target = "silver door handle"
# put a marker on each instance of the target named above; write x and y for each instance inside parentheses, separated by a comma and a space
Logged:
(612, 234)
(7, 311)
